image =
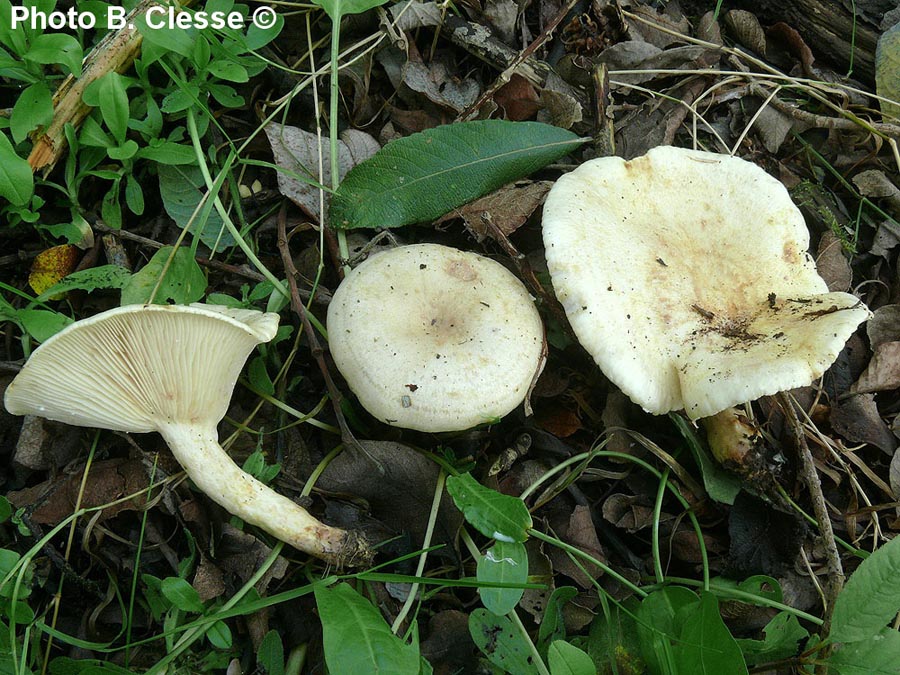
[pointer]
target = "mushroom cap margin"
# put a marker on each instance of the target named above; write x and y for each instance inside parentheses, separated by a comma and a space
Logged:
(137, 367)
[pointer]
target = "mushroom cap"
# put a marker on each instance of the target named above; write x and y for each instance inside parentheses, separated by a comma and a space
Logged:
(435, 339)
(137, 367)
(686, 276)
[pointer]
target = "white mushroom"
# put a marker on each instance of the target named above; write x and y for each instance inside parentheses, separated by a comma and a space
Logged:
(686, 276)
(171, 369)
(435, 339)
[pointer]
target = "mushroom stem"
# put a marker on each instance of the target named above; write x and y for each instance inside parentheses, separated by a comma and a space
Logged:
(198, 451)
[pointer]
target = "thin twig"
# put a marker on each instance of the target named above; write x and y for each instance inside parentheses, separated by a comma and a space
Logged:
(810, 478)
(317, 351)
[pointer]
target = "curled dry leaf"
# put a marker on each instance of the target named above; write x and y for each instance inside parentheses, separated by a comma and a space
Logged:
(507, 208)
(412, 14)
(297, 153)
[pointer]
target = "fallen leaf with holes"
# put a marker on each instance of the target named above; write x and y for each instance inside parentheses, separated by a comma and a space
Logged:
(507, 208)
(297, 155)
(883, 373)
(51, 266)
(108, 481)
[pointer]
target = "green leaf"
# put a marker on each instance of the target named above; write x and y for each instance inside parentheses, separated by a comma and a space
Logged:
(495, 515)
(184, 281)
(501, 642)
(56, 48)
(95, 278)
(228, 70)
(553, 626)
(706, 646)
(181, 594)
(270, 655)
(338, 8)
(167, 38)
(5, 510)
(63, 665)
(167, 152)
(34, 108)
(356, 638)
(782, 634)
(182, 188)
(113, 101)
(887, 70)
(219, 635)
(134, 195)
(658, 628)
(259, 377)
(871, 597)
(121, 152)
(504, 563)
(720, 484)
(566, 659)
(423, 176)
(877, 655)
(42, 324)
(613, 641)
(16, 179)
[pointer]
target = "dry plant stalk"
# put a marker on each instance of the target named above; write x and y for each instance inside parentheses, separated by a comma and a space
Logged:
(115, 52)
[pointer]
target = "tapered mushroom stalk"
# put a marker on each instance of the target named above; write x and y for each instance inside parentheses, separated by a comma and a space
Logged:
(172, 369)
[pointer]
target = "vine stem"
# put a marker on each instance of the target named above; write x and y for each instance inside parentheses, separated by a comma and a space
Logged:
(333, 134)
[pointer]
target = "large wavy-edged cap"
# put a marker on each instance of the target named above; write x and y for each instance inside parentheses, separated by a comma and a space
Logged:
(686, 276)
(136, 367)
(436, 339)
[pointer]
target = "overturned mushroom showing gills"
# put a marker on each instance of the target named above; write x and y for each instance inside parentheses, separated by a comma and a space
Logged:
(435, 339)
(171, 369)
(686, 276)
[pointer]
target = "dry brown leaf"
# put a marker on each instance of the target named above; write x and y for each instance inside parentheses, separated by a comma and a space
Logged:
(43, 444)
(628, 513)
(518, 99)
(413, 14)
(831, 263)
(857, 419)
(559, 420)
(108, 481)
(398, 484)
(297, 152)
(883, 373)
(746, 29)
(582, 534)
(884, 326)
(507, 208)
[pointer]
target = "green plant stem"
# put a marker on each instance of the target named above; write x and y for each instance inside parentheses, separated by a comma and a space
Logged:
(213, 187)
(657, 512)
(850, 548)
(578, 553)
(536, 656)
(590, 455)
(420, 568)
(137, 566)
(749, 598)
(333, 134)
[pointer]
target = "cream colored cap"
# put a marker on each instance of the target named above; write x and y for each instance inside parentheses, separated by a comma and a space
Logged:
(435, 339)
(686, 276)
(139, 366)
